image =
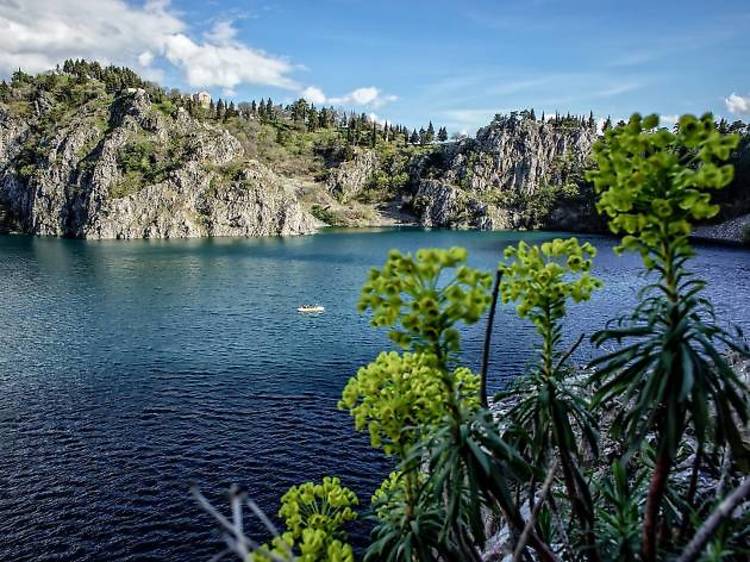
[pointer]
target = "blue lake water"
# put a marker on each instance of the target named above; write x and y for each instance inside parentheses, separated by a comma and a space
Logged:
(129, 370)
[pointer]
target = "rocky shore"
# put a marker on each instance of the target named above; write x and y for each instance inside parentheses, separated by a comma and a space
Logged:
(736, 231)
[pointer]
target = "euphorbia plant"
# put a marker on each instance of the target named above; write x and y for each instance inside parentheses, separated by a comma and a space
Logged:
(314, 515)
(422, 298)
(653, 184)
(431, 509)
(542, 279)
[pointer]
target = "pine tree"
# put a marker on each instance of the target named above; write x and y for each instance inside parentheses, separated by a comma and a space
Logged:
(221, 109)
(542, 116)
(323, 118)
(430, 133)
(313, 119)
(592, 122)
(374, 135)
(414, 139)
(532, 115)
(422, 136)
(211, 109)
(353, 130)
(607, 124)
(442, 134)
(254, 108)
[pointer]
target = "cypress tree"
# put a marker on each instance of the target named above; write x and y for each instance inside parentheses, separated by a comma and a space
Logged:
(429, 133)
(313, 119)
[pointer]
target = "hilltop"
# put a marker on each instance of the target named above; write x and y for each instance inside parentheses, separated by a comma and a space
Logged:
(97, 152)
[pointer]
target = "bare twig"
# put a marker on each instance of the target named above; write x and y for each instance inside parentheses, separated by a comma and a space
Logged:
(488, 340)
(532, 520)
(568, 353)
(234, 536)
(723, 511)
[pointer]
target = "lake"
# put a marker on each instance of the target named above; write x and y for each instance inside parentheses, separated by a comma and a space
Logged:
(131, 370)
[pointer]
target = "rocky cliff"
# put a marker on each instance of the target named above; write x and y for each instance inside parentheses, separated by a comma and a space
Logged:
(517, 173)
(119, 167)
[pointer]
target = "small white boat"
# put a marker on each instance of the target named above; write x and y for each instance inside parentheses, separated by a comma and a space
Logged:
(309, 308)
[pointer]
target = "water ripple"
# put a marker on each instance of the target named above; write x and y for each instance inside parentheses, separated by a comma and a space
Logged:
(130, 371)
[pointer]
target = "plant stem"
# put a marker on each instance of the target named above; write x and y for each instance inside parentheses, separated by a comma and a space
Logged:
(659, 478)
(653, 502)
(581, 510)
(488, 340)
(691, 490)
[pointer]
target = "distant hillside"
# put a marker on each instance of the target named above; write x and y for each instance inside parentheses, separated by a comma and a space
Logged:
(96, 152)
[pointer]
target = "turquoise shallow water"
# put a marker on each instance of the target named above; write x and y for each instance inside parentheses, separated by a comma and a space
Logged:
(129, 370)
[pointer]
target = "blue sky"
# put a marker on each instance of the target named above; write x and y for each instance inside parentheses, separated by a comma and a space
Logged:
(456, 63)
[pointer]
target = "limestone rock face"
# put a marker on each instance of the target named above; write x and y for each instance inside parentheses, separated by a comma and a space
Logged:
(187, 179)
(488, 182)
(443, 205)
(350, 177)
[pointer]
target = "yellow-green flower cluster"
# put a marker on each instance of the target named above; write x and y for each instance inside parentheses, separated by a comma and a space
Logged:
(388, 500)
(314, 545)
(652, 183)
(410, 296)
(324, 506)
(396, 395)
(314, 514)
(541, 278)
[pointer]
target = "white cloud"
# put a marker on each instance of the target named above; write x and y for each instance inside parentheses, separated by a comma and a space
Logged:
(369, 96)
(313, 95)
(737, 104)
(226, 65)
(668, 120)
(223, 32)
(146, 58)
(37, 34)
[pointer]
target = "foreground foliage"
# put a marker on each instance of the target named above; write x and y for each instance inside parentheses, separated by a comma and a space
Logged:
(663, 399)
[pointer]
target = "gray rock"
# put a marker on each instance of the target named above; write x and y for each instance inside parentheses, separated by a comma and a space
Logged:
(477, 183)
(208, 189)
(444, 205)
(350, 178)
